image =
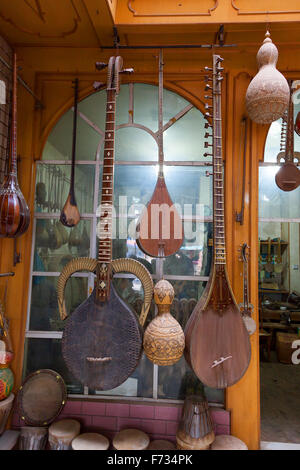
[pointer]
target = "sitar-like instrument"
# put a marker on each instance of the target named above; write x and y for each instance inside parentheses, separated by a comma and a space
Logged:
(288, 176)
(102, 338)
(70, 215)
(14, 212)
(160, 228)
(246, 307)
(217, 342)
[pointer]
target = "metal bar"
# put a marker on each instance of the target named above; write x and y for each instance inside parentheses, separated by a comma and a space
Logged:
(7, 274)
(24, 84)
(177, 117)
(177, 46)
(127, 162)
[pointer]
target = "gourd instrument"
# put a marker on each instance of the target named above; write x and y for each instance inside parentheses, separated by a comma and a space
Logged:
(102, 339)
(217, 342)
(160, 228)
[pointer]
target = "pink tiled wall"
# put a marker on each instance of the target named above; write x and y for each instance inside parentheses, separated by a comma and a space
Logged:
(160, 422)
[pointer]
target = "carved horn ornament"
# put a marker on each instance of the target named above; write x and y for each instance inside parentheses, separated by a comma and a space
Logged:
(267, 96)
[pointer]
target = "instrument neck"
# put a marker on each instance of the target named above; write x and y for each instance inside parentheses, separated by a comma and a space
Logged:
(289, 146)
(218, 191)
(13, 140)
(74, 134)
(105, 229)
(160, 116)
(246, 293)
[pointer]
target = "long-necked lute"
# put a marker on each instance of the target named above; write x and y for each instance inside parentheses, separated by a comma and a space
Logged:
(160, 228)
(217, 342)
(246, 307)
(102, 338)
(14, 212)
(288, 176)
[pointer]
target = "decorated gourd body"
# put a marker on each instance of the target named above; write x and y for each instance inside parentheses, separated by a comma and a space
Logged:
(267, 96)
(164, 338)
(6, 381)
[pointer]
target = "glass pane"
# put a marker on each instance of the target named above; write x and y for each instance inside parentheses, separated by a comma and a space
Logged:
(146, 105)
(44, 315)
(184, 140)
(55, 244)
(172, 104)
(140, 384)
(53, 184)
(190, 185)
(134, 144)
(59, 143)
(94, 108)
(195, 255)
(46, 354)
(274, 203)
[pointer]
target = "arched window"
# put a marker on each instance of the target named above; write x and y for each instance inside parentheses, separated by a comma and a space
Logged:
(136, 164)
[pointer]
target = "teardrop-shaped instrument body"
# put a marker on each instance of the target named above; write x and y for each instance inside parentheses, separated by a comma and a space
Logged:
(288, 177)
(219, 349)
(160, 228)
(14, 212)
(70, 215)
(102, 342)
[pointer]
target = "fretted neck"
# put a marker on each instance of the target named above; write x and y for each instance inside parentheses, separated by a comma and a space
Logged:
(246, 294)
(289, 146)
(160, 116)
(105, 231)
(13, 140)
(218, 192)
(76, 83)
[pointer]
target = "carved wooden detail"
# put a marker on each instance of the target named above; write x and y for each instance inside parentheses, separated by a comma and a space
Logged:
(45, 17)
(175, 13)
(266, 12)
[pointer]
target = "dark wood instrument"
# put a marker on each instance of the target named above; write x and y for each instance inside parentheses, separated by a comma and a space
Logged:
(14, 212)
(246, 307)
(288, 176)
(70, 215)
(102, 339)
(160, 228)
(217, 342)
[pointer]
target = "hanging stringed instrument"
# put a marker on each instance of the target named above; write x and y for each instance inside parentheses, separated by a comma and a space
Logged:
(160, 228)
(288, 177)
(70, 215)
(217, 342)
(102, 339)
(246, 307)
(14, 212)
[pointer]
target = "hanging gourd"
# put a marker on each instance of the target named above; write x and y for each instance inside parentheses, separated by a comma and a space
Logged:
(267, 96)
(164, 338)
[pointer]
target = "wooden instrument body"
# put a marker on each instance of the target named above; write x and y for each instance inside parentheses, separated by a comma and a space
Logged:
(288, 177)
(14, 212)
(102, 342)
(216, 330)
(160, 226)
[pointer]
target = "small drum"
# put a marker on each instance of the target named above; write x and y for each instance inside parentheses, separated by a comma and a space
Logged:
(131, 439)
(62, 433)
(5, 408)
(33, 438)
(160, 444)
(227, 442)
(90, 441)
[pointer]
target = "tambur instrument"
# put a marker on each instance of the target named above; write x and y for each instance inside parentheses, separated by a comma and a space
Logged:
(102, 339)
(14, 212)
(217, 342)
(246, 307)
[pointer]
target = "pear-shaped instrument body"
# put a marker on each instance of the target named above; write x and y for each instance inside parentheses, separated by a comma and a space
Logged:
(267, 96)
(164, 338)
(14, 212)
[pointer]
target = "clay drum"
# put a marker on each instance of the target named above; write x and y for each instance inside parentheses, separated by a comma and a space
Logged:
(62, 433)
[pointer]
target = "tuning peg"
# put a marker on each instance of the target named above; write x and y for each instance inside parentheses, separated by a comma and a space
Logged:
(130, 70)
(208, 97)
(208, 79)
(206, 145)
(219, 79)
(207, 87)
(207, 125)
(207, 155)
(208, 68)
(219, 69)
(219, 59)
(97, 85)
(100, 65)
(208, 173)
(207, 106)
(206, 135)
(207, 115)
